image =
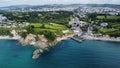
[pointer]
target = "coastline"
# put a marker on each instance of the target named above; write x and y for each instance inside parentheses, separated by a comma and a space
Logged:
(9, 38)
(64, 37)
(103, 38)
(39, 51)
(43, 45)
(108, 39)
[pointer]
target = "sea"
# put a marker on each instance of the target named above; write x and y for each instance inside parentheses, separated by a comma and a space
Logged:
(66, 54)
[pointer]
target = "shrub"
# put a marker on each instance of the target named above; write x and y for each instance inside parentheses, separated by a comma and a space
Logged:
(23, 34)
(49, 35)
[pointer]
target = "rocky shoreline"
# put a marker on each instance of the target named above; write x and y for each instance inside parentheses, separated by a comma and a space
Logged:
(42, 43)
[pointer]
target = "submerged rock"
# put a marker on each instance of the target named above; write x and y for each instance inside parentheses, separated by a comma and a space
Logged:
(46, 49)
(35, 56)
(37, 53)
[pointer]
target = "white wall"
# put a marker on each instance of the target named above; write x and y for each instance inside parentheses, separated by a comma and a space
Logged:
(0, 18)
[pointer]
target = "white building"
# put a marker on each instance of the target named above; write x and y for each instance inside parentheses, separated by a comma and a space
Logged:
(0, 18)
(75, 22)
(89, 32)
(104, 24)
(65, 31)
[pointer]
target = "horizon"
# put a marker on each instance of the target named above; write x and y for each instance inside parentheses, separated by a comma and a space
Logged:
(5, 3)
(57, 4)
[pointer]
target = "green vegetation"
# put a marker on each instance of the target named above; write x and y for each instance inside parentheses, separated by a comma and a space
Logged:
(106, 31)
(51, 31)
(55, 28)
(4, 31)
(51, 24)
(113, 28)
(114, 25)
(101, 18)
(109, 17)
(23, 34)
(111, 32)
(61, 17)
(49, 35)
(30, 29)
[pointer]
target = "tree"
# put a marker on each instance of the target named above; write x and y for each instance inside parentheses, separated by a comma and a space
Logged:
(32, 26)
(92, 16)
(23, 34)
(4, 31)
(30, 29)
(49, 35)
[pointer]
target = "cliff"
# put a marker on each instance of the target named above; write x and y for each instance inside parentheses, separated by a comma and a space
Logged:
(41, 42)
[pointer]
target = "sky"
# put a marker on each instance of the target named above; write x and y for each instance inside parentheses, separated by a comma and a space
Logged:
(43, 2)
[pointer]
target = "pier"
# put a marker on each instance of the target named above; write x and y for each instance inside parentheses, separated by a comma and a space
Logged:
(77, 40)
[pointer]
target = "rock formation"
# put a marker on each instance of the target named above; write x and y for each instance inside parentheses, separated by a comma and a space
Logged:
(42, 43)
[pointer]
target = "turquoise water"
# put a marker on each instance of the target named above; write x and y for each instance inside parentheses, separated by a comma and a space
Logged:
(67, 54)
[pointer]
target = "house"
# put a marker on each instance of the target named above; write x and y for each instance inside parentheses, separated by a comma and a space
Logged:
(82, 23)
(65, 31)
(0, 18)
(89, 31)
(26, 23)
(103, 25)
(75, 22)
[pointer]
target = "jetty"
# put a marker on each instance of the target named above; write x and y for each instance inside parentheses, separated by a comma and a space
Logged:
(77, 40)
(65, 37)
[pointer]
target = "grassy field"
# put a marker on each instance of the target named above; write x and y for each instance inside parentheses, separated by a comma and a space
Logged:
(55, 28)
(115, 25)
(111, 32)
(108, 30)
(108, 17)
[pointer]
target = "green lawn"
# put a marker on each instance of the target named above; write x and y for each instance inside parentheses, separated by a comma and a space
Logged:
(36, 24)
(55, 28)
(109, 17)
(111, 32)
(107, 31)
(115, 25)
(51, 26)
